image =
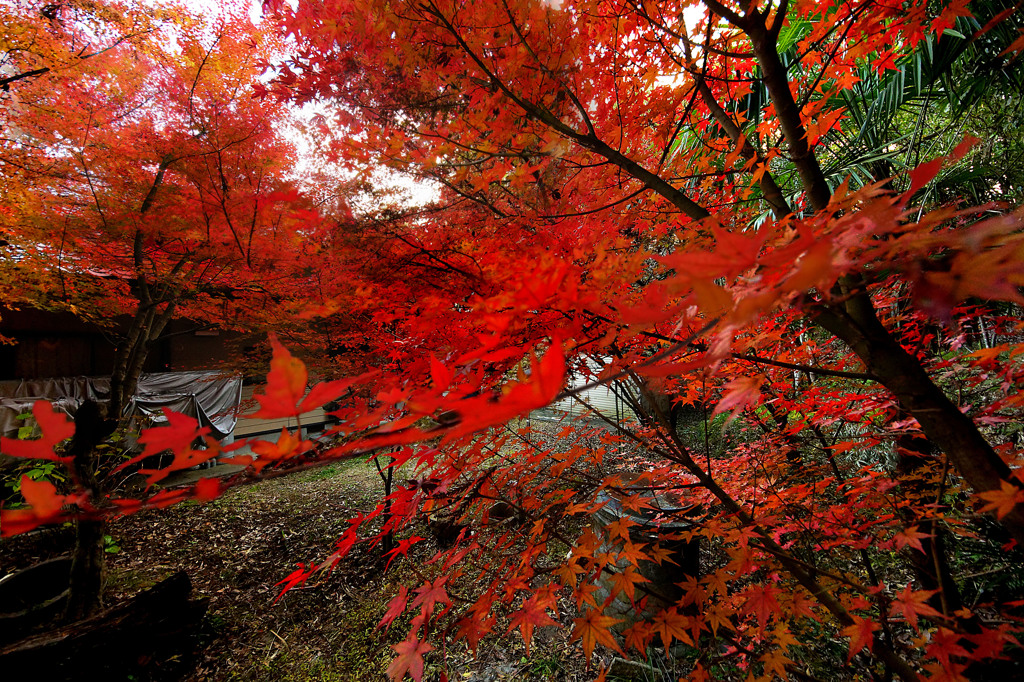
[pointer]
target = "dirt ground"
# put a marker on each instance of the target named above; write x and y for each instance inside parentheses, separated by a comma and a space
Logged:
(238, 546)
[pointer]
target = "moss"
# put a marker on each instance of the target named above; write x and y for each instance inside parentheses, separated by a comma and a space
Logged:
(129, 581)
(322, 473)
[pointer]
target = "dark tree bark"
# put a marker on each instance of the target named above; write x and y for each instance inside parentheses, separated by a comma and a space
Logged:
(387, 477)
(85, 595)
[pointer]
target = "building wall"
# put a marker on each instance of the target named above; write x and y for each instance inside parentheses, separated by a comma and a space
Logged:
(49, 345)
(313, 422)
(601, 398)
(60, 345)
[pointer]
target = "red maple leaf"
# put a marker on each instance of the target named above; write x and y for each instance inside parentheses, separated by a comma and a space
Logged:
(431, 593)
(626, 581)
(739, 393)
(533, 614)
(762, 603)
(178, 436)
(670, 624)
(409, 660)
(287, 446)
(206, 489)
(860, 634)
(55, 427)
(620, 527)
(1002, 501)
(46, 505)
(286, 384)
(912, 604)
(910, 537)
(474, 627)
(326, 391)
(923, 174)
(440, 375)
(638, 637)
(395, 607)
(402, 549)
(285, 394)
(42, 496)
(946, 643)
(297, 577)
(592, 629)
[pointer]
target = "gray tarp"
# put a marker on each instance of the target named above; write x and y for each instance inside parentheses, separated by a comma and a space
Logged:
(210, 397)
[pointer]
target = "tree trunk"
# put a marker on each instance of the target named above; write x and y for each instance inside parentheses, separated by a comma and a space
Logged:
(855, 321)
(85, 593)
(93, 425)
(941, 421)
(387, 478)
(88, 570)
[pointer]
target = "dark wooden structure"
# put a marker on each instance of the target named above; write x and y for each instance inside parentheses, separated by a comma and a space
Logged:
(116, 644)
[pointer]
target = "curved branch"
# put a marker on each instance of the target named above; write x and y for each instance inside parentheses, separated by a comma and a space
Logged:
(586, 140)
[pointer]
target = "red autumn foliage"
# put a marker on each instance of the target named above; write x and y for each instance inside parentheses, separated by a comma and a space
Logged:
(640, 196)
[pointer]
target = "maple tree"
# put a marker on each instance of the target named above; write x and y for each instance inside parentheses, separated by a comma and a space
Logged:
(46, 38)
(143, 184)
(654, 196)
(607, 169)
